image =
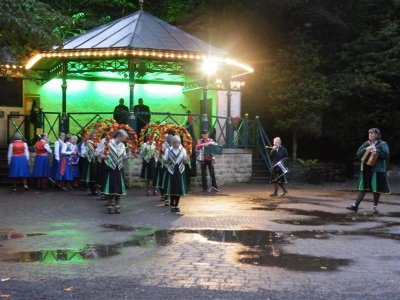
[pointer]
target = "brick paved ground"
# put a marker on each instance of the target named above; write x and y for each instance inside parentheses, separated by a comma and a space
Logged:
(238, 244)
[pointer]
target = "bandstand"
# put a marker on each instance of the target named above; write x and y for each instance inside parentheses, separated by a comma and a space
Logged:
(137, 56)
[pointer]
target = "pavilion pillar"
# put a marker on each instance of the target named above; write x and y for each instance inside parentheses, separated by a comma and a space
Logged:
(132, 118)
(229, 125)
(64, 122)
(204, 116)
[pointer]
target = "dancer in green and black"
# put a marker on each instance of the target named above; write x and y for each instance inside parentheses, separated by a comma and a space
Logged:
(113, 185)
(148, 152)
(174, 181)
(373, 177)
(89, 170)
(160, 170)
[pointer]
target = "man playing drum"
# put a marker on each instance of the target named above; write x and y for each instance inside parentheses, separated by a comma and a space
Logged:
(277, 155)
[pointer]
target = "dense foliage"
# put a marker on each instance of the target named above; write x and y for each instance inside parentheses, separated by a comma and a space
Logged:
(326, 70)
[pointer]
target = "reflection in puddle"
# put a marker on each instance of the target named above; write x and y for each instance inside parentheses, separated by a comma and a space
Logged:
(264, 249)
(269, 204)
(4, 236)
(394, 214)
(259, 248)
(324, 218)
(141, 237)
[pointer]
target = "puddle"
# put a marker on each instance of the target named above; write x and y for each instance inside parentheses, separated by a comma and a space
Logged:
(393, 214)
(268, 256)
(259, 248)
(269, 204)
(141, 237)
(16, 235)
(324, 218)
(263, 248)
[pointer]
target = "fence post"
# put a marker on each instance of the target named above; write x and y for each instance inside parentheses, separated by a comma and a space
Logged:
(246, 130)
(64, 123)
(204, 123)
(229, 132)
(256, 131)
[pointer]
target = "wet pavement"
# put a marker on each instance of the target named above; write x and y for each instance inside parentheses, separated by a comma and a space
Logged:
(237, 244)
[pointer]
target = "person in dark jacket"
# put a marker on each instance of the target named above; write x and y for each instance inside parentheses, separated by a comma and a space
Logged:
(121, 112)
(373, 177)
(278, 154)
(142, 113)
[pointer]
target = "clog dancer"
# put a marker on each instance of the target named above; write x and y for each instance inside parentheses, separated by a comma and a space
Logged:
(113, 185)
(57, 155)
(75, 156)
(41, 168)
(148, 152)
(174, 181)
(64, 172)
(90, 164)
(160, 170)
(18, 161)
(101, 167)
(374, 155)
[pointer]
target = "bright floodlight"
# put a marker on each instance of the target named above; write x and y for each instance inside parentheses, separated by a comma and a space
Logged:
(209, 66)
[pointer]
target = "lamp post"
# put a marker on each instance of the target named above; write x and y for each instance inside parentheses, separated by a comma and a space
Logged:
(208, 67)
(229, 125)
(64, 118)
(132, 117)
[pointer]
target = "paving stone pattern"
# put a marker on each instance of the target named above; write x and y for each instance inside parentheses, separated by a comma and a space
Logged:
(236, 244)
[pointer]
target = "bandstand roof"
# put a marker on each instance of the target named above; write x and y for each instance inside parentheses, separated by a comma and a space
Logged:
(160, 52)
(143, 31)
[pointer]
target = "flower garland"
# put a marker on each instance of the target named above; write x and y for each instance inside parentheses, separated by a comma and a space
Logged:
(149, 130)
(164, 129)
(110, 126)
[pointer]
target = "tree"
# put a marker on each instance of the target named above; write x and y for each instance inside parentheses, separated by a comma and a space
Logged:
(27, 25)
(297, 91)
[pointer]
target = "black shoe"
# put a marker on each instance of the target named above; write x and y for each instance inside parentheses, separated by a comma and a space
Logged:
(117, 209)
(352, 208)
(177, 209)
(174, 209)
(273, 195)
(376, 211)
(283, 194)
(110, 209)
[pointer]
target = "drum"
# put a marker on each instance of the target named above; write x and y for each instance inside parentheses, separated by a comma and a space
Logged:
(370, 158)
(213, 150)
(279, 169)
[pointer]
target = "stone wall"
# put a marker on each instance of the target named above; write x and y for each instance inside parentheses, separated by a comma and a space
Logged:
(233, 166)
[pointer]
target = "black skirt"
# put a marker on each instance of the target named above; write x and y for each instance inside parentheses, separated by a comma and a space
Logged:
(148, 169)
(375, 182)
(113, 182)
(89, 171)
(174, 184)
(159, 174)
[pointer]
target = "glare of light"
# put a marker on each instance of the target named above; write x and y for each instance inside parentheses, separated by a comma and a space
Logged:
(33, 61)
(209, 66)
(235, 63)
